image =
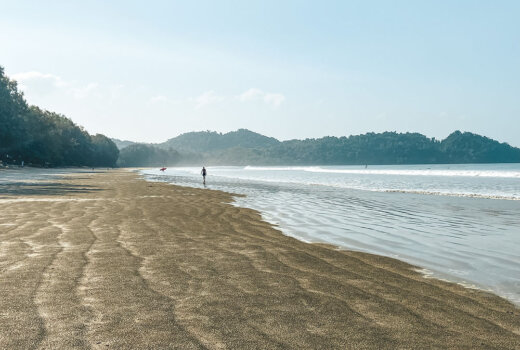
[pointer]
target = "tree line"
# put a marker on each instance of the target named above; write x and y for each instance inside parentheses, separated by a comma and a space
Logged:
(212, 148)
(43, 138)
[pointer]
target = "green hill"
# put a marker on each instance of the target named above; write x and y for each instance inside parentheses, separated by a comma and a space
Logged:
(244, 147)
(209, 141)
(42, 138)
(122, 143)
(393, 148)
(471, 148)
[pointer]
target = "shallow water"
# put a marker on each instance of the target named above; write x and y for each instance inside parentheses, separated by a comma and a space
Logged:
(459, 222)
(27, 174)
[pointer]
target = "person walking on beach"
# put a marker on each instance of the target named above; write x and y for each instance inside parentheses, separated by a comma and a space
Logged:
(203, 172)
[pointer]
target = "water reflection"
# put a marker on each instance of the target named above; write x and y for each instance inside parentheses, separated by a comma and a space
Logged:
(471, 240)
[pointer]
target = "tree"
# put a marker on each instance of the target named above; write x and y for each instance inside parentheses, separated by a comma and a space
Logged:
(44, 138)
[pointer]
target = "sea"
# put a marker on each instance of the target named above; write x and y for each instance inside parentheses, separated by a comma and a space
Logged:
(459, 223)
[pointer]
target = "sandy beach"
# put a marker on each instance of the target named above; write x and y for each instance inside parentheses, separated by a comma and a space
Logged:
(106, 260)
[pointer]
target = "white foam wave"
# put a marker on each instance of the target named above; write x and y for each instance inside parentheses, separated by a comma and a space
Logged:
(423, 187)
(503, 196)
(399, 172)
(281, 168)
(454, 194)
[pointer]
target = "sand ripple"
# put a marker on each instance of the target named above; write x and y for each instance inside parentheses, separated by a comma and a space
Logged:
(135, 265)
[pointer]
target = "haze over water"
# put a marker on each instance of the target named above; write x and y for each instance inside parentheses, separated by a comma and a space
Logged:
(458, 222)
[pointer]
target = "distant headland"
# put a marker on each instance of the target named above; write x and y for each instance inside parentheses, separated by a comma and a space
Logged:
(244, 147)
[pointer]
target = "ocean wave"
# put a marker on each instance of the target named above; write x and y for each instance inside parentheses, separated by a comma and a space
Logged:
(399, 172)
(280, 168)
(347, 186)
(454, 194)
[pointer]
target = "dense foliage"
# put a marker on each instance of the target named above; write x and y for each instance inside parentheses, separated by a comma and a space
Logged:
(470, 148)
(147, 155)
(205, 141)
(122, 143)
(390, 148)
(371, 148)
(43, 138)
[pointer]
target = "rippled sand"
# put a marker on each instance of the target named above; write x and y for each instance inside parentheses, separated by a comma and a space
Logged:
(108, 260)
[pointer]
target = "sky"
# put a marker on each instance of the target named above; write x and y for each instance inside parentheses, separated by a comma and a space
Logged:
(151, 70)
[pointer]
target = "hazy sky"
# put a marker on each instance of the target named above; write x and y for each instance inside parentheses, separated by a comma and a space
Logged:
(150, 70)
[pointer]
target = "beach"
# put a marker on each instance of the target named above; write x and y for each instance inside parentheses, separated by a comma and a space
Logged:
(108, 260)
(458, 222)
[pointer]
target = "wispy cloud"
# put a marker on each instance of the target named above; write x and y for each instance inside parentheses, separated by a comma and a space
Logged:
(274, 100)
(115, 91)
(24, 79)
(38, 83)
(254, 94)
(158, 99)
(207, 98)
(84, 91)
(251, 94)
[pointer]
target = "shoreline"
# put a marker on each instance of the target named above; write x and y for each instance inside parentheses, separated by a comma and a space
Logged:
(108, 258)
(468, 243)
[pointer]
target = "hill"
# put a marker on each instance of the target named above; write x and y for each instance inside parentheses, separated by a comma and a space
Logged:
(471, 148)
(42, 138)
(394, 148)
(122, 143)
(209, 141)
(244, 147)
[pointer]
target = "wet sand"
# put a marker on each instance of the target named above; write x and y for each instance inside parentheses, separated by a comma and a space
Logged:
(109, 261)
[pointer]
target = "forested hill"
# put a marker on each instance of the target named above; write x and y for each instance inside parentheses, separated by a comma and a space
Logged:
(209, 148)
(206, 141)
(394, 148)
(122, 143)
(43, 138)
